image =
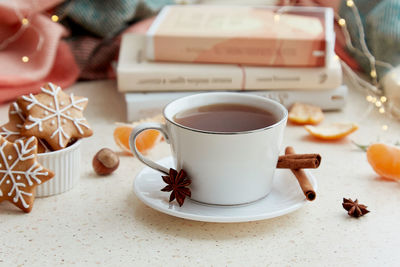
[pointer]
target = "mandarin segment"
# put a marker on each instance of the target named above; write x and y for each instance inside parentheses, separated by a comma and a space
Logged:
(305, 114)
(144, 141)
(385, 160)
(147, 140)
(333, 131)
(121, 137)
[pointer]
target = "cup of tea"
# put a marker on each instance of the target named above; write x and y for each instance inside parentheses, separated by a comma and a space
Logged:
(227, 143)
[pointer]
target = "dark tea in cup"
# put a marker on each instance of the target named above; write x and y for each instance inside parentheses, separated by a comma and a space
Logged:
(226, 117)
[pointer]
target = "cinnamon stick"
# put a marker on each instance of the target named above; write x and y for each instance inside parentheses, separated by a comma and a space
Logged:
(302, 178)
(299, 161)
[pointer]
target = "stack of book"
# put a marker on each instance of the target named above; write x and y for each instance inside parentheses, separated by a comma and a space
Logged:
(281, 53)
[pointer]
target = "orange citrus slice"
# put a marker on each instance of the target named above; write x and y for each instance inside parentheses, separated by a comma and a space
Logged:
(145, 140)
(332, 131)
(385, 160)
(305, 114)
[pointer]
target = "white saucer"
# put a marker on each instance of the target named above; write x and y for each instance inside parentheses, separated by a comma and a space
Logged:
(285, 197)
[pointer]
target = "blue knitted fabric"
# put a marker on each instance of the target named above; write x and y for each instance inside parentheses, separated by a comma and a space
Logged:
(105, 18)
(381, 20)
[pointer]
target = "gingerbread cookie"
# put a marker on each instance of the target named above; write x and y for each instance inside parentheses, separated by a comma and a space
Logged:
(20, 173)
(12, 130)
(54, 116)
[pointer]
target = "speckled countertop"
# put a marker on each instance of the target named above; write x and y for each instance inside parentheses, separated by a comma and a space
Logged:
(101, 222)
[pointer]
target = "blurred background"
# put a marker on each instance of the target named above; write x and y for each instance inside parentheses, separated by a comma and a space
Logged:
(68, 41)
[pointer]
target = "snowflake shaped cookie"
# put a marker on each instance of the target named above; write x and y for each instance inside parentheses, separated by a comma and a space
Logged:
(20, 173)
(12, 129)
(54, 116)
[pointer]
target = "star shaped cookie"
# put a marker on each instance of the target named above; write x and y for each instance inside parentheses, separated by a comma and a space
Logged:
(20, 172)
(11, 131)
(54, 116)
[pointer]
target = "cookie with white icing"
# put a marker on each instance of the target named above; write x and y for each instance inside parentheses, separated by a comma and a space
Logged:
(20, 172)
(11, 131)
(54, 116)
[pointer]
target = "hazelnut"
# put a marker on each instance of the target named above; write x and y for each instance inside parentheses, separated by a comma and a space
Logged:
(105, 161)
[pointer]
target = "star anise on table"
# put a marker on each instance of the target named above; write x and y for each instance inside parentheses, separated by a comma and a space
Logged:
(354, 208)
(177, 183)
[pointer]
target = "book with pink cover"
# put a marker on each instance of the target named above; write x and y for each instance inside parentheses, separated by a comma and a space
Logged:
(267, 36)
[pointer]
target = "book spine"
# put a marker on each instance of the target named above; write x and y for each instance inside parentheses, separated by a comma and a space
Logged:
(229, 77)
(292, 78)
(327, 100)
(181, 79)
(268, 52)
(141, 105)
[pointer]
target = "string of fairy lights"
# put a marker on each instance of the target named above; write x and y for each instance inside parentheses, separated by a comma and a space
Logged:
(25, 24)
(374, 96)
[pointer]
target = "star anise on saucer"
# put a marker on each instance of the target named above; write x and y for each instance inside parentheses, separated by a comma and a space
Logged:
(354, 208)
(177, 183)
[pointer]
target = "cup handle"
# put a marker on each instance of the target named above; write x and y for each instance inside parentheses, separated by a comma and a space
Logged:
(132, 143)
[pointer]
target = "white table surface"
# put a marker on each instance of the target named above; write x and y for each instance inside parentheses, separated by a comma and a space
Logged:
(101, 222)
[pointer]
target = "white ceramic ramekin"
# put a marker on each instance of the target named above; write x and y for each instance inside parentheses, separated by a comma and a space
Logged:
(65, 164)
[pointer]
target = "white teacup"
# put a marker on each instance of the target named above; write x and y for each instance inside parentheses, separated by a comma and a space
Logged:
(225, 168)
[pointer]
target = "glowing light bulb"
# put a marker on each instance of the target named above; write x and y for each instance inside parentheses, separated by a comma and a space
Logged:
(369, 98)
(383, 99)
(350, 3)
(378, 104)
(373, 73)
(385, 127)
(382, 110)
(373, 99)
(342, 22)
(25, 21)
(54, 18)
(25, 59)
